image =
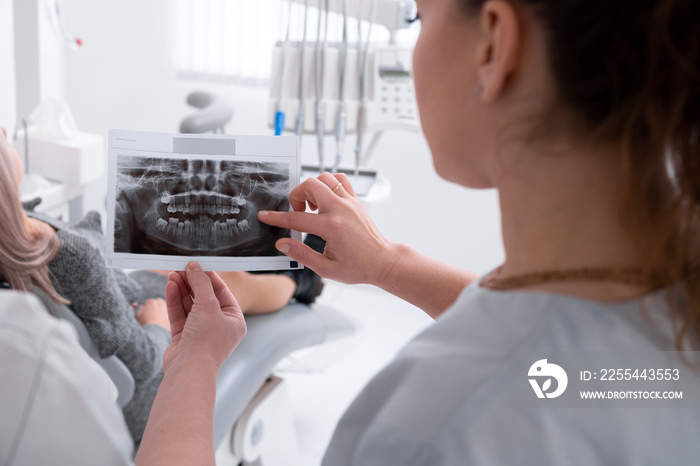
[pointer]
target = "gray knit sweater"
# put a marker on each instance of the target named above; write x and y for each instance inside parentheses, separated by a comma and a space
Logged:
(101, 297)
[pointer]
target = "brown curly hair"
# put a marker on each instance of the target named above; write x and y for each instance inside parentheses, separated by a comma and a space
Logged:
(630, 70)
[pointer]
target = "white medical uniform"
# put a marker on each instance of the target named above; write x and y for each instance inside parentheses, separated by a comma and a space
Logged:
(445, 399)
(57, 405)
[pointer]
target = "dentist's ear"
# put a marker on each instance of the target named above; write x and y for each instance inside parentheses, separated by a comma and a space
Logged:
(498, 54)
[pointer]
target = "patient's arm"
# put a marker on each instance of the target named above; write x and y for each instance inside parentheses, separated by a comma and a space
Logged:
(154, 311)
(260, 293)
(257, 293)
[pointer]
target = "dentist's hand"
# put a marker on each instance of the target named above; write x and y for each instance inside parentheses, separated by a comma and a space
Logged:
(207, 324)
(205, 319)
(356, 252)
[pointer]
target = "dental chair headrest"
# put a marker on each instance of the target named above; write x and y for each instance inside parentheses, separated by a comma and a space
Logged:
(214, 115)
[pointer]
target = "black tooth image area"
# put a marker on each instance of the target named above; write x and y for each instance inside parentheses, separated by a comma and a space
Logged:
(198, 207)
(195, 183)
(210, 183)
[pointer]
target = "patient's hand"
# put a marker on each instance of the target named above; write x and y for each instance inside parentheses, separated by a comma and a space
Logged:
(154, 311)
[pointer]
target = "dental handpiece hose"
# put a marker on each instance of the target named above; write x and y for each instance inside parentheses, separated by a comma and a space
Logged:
(360, 135)
(320, 67)
(279, 115)
(341, 116)
(363, 53)
(319, 134)
(299, 129)
(279, 122)
(340, 123)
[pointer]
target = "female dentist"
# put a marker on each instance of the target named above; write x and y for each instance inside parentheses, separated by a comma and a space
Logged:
(585, 115)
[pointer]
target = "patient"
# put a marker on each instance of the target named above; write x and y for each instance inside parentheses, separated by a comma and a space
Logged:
(124, 314)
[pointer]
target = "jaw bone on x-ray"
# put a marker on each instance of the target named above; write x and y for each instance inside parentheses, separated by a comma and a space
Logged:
(197, 207)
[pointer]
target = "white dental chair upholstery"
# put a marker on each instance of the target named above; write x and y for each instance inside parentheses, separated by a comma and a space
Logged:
(112, 365)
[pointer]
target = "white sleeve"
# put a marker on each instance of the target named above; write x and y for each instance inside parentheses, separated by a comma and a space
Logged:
(57, 404)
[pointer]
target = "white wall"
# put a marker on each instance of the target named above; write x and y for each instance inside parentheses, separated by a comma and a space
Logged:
(123, 78)
(8, 109)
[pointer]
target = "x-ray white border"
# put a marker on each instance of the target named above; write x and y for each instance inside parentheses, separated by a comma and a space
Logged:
(278, 149)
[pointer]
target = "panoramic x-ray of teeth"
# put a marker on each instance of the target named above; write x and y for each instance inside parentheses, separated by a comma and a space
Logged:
(195, 207)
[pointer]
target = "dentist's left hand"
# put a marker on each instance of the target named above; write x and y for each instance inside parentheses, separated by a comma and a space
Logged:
(205, 319)
(206, 324)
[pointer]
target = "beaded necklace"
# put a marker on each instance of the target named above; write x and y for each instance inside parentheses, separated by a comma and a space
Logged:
(625, 275)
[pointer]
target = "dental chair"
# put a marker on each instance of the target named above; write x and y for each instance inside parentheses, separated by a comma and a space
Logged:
(253, 419)
(112, 365)
(214, 113)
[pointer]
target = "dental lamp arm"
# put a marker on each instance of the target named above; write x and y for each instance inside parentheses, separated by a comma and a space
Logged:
(357, 252)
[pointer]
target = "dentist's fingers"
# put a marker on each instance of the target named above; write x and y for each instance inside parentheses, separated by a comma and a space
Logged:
(343, 178)
(306, 256)
(314, 191)
(299, 221)
(355, 252)
(228, 302)
(334, 183)
(184, 289)
(339, 183)
(200, 284)
(174, 301)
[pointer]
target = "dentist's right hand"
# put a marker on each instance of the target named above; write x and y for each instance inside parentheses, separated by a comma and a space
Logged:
(356, 251)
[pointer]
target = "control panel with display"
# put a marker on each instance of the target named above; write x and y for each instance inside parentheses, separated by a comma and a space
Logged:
(392, 102)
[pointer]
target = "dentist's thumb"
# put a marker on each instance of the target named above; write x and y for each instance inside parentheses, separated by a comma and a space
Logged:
(304, 255)
(199, 283)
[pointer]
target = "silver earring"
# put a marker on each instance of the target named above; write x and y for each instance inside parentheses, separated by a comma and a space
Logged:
(479, 89)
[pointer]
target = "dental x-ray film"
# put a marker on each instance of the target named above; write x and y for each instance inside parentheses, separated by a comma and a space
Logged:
(174, 198)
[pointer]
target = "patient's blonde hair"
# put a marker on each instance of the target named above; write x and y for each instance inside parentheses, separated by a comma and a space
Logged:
(25, 251)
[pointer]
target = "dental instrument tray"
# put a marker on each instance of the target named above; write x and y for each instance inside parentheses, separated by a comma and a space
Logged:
(174, 198)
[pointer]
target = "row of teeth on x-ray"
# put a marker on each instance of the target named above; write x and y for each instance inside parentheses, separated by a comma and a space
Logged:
(203, 209)
(202, 204)
(203, 229)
